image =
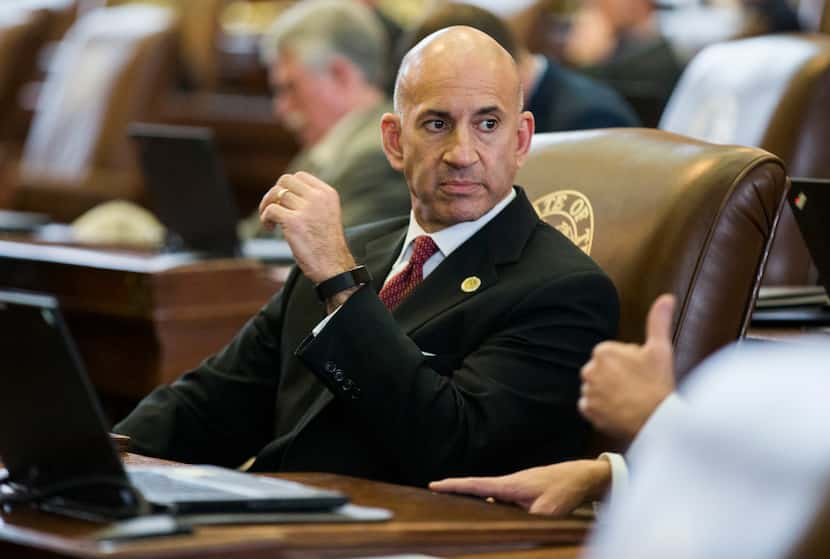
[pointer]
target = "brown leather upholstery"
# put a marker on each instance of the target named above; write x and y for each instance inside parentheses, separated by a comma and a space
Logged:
(198, 54)
(772, 92)
(21, 35)
(664, 213)
(108, 71)
(815, 542)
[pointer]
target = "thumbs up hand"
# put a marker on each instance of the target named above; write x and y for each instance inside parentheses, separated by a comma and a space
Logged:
(623, 384)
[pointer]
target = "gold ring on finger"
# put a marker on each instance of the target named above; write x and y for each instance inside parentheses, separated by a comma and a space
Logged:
(280, 193)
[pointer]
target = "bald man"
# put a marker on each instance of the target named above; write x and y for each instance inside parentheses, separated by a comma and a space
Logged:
(447, 342)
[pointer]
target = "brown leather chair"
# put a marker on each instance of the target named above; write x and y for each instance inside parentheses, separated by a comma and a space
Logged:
(198, 53)
(772, 92)
(815, 542)
(22, 33)
(108, 71)
(664, 213)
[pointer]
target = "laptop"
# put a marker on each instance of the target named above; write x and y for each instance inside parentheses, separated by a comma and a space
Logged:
(58, 454)
(21, 222)
(190, 194)
(809, 200)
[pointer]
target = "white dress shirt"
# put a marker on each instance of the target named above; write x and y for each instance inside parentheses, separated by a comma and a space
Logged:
(447, 240)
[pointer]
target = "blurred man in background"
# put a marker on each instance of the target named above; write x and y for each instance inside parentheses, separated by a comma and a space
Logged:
(326, 64)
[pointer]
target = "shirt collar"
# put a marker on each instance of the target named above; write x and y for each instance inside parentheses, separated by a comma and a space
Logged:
(454, 236)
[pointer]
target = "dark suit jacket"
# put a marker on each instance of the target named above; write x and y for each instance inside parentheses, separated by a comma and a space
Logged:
(565, 100)
(450, 383)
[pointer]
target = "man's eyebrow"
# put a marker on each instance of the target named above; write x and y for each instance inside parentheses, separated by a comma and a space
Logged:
(444, 115)
(489, 110)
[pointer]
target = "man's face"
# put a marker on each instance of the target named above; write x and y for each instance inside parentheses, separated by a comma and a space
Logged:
(301, 97)
(461, 142)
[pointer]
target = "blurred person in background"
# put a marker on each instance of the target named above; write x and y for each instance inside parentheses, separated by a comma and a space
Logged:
(620, 43)
(326, 64)
(741, 469)
(735, 463)
(560, 99)
(770, 16)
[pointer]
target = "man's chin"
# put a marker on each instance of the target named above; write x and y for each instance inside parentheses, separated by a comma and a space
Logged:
(461, 215)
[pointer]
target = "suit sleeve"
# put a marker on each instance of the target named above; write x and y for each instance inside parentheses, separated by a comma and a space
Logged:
(222, 412)
(516, 393)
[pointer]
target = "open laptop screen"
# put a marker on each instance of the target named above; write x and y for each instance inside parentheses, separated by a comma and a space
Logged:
(55, 445)
(184, 177)
(52, 439)
(810, 203)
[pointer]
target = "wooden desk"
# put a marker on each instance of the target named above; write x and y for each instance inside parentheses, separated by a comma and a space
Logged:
(424, 522)
(141, 320)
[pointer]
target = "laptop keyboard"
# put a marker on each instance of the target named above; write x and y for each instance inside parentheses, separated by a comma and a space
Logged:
(156, 486)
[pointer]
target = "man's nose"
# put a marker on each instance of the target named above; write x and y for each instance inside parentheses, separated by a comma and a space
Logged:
(461, 152)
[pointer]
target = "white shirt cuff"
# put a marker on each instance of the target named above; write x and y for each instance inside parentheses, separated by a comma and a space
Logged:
(619, 475)
(671, 405)
(322, 324)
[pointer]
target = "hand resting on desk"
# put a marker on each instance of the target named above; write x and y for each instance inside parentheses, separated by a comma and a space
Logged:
(555, 490)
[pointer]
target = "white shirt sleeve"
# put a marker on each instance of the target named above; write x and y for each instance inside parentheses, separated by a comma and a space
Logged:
(669, 407)
(322, 324)
(619, 475)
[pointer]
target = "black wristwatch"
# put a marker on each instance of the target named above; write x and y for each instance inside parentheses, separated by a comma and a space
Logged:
(340, 282)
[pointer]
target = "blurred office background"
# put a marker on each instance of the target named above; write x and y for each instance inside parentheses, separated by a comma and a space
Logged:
(75, 73)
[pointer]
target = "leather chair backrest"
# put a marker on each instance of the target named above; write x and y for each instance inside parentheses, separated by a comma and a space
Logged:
(772, 92)
(20, 36)
(814, 543)
(664, 213)
(198, 27)
(14, 25)
(106, 73)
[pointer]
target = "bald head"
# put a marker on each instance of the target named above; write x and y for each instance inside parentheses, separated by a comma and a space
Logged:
(458, 132)
(449, 53)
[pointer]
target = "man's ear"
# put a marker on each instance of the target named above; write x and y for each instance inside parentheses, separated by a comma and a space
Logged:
(527, 125)
(390, 131)
(342, 71)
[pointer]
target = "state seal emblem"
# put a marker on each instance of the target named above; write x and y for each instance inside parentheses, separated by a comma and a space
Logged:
(570, 212)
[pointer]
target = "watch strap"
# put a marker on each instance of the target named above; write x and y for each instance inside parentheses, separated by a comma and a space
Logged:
(348, 279)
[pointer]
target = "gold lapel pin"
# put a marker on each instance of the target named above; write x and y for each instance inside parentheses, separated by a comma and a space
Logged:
(470, 284)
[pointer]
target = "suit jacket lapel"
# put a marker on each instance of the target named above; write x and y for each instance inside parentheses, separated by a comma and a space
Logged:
(500, 241)
(380, 255)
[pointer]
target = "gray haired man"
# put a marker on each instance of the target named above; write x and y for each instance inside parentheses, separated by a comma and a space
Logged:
(325, 62)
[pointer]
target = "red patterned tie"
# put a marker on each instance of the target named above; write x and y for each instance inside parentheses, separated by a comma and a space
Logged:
(402, 283)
